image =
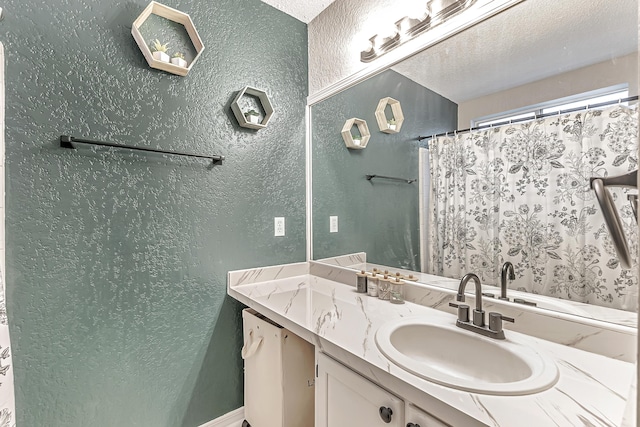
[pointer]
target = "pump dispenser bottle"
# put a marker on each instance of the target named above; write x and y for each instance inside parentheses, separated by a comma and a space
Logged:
(361, 282)
(372, 285)
(397, 291)
(384, 286)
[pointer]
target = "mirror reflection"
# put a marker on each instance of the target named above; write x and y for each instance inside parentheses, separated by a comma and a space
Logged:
(516, 190)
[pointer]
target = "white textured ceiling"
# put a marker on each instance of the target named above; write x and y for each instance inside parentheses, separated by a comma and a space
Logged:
(303, 10)
(531, 41)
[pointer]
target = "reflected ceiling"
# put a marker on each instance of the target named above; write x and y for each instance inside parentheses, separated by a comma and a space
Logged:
(568, 34)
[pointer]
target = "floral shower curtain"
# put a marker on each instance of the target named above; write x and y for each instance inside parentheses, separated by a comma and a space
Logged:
(521, 193)
(7, 401)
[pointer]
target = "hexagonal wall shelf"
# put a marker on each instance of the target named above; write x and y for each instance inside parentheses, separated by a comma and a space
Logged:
(364, 133)
(264, 101)
(174, 15)
(381, 117)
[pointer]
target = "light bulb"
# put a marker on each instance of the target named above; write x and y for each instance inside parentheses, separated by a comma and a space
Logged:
(404, 25)
(377, 41)
(368, 45)
(388, 31)
(418, 13)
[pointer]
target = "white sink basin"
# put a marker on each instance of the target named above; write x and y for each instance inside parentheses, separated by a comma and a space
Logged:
(448, 355)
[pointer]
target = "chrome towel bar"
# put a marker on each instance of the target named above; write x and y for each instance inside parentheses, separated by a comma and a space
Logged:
(610, 213)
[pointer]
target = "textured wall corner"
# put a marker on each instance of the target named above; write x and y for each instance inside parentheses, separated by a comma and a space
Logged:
(116, 260)
(379, 217)
(7, 387)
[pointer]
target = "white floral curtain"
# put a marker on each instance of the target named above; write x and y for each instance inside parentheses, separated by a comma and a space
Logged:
(7, 400)
(521, 193)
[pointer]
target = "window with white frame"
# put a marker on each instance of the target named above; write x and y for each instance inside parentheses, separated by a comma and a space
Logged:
(592, 98)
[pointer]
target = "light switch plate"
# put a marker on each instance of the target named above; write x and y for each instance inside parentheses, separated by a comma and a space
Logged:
(333, 224)
(278, 226)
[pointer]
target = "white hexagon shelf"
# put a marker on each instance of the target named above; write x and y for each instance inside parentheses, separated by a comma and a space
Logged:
(348, 137)
(264, 101)
(384, 123)
(174, 15)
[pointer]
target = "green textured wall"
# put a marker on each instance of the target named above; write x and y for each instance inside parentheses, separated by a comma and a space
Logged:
(378, 217)
(117, 262)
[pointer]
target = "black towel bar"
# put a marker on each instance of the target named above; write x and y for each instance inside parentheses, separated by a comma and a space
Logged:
(67, 142)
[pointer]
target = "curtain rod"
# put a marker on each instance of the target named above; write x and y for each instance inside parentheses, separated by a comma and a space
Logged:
(67, 142)
(392, 178)
(536, 117)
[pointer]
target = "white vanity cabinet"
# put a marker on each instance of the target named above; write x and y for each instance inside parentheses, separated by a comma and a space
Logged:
(353, 380)
(416, 417)
(346, 399)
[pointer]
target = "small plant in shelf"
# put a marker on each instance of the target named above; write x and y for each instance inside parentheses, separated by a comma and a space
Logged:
(252, 116)
(160, 51)
(392, 123)
(357, 139)
(178, 59)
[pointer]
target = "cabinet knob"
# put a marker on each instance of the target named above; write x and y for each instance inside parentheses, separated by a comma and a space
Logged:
(385, 414)
(413, 425)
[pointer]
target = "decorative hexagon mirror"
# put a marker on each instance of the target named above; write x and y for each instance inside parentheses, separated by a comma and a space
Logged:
(167, 31)
(246, 115)
(389, 124)
(359, 139)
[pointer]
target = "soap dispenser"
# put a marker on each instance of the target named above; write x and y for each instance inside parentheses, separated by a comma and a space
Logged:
(361, 282)
(384, 288)
(372, 285)
(397, 291)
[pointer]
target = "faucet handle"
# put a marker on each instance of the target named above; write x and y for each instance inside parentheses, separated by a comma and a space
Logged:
(495, 321)
(463, 311)
(507, 319)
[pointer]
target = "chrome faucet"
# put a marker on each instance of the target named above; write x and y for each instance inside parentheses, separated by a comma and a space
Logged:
(494, 329)
(478, 313)
(507, 269)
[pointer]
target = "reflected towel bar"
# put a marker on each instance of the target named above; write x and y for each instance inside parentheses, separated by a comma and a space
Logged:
(610, 213)
(67, 142)
(408, 181)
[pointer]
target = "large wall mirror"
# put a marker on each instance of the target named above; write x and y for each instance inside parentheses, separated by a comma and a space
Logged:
(516, 192)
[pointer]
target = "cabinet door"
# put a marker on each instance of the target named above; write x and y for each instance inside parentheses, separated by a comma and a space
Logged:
(418, 418)
(345, 399)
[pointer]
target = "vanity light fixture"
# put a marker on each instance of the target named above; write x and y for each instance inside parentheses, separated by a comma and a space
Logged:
(407, 28)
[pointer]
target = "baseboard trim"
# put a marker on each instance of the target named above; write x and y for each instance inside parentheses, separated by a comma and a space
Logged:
(230, 419)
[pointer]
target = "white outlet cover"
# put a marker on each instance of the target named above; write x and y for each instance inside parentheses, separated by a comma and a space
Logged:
(278, 225)
(333, 224)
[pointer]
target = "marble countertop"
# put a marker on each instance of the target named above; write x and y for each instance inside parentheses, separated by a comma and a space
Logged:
(357, 261)
(592, 389)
